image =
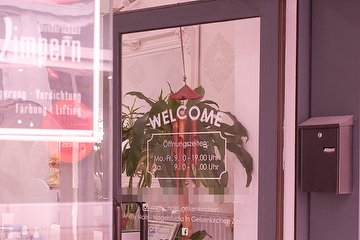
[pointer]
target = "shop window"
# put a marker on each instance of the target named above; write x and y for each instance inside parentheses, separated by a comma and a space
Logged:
(55, 119)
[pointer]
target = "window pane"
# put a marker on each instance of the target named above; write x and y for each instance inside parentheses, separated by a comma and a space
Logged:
(190, 145)
(55, 76)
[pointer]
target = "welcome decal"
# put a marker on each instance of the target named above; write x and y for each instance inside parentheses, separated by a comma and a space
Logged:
(194, 113)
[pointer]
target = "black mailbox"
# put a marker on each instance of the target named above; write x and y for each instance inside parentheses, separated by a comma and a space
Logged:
(325, 153)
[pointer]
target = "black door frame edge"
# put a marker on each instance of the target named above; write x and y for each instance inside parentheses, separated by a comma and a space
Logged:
(271, 87)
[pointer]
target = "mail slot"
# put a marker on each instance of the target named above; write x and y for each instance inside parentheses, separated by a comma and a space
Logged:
(325, 153)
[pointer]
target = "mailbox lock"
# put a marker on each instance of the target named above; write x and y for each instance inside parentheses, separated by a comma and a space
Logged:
(328, 149)
(319, 134)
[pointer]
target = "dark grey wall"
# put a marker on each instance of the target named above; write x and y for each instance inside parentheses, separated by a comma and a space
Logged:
(303, 109)
(334, 72)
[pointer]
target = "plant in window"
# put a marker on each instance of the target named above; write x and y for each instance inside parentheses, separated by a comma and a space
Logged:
(181, 141)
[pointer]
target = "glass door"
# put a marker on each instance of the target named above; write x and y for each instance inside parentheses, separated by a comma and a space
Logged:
(198, 147)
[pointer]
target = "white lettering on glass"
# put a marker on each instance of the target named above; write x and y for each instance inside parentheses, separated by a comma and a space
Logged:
(58, 95)
(194, 113)
(38, 49)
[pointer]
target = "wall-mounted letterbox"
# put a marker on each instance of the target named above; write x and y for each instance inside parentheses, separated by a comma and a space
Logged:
(325, 153)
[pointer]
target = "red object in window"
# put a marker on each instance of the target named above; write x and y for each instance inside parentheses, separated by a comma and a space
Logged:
(185, 93)
(69, 115)
(71, 152)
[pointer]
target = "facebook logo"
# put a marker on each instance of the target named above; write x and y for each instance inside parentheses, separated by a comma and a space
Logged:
(185, 231)
(145, 207)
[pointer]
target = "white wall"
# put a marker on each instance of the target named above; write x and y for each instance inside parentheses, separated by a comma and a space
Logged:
(289, 120)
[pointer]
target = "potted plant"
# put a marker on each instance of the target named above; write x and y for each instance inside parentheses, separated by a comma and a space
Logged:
(139, 124)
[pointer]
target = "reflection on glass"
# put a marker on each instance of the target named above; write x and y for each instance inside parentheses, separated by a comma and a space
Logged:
(55, 68)
(190, 128)
(63, 58)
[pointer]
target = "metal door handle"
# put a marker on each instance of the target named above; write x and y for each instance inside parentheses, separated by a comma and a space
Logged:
(116, 220)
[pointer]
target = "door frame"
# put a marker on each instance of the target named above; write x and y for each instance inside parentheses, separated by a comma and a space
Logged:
(272, 90)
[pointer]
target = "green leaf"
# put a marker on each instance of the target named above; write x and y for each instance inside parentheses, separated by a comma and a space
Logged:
(173, 105)
(244, 158)
(209, 102)
(200, 90)
(161, 95)
(142, 97)
(224, 179)
(171, 91)
(135, 145)
(132, 160)
(238, 128)
(201, 234)
(158, 107)
(203, 105)
(139, 126)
